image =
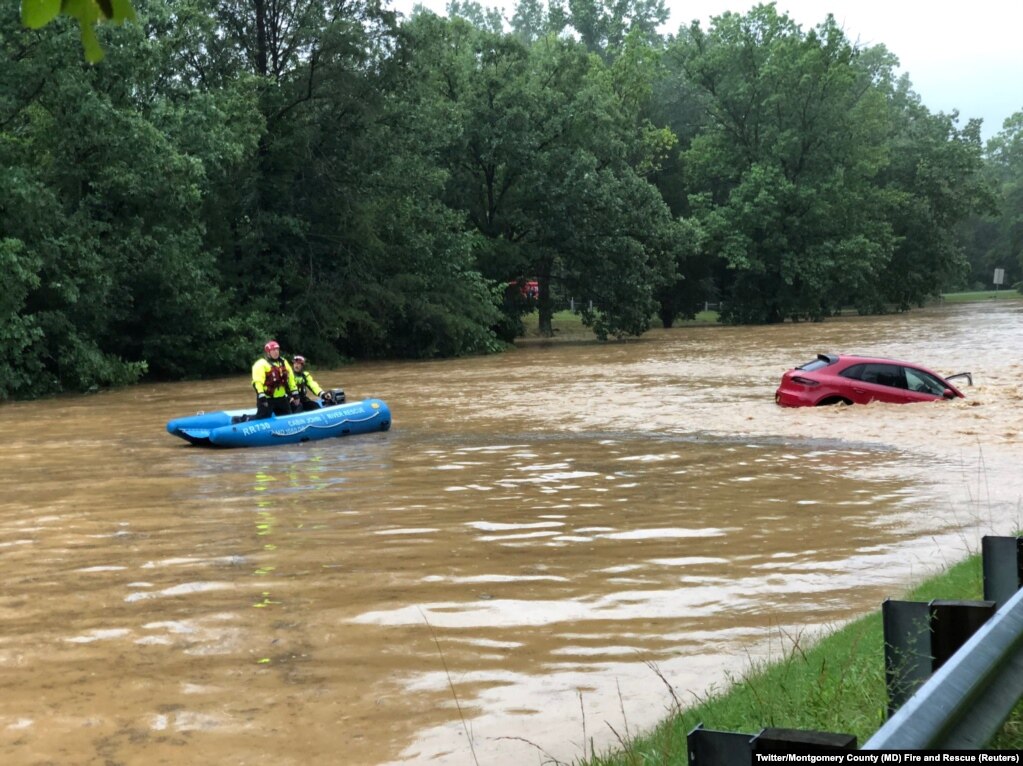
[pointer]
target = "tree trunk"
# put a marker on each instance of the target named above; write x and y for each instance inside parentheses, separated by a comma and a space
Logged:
(261, 38)
(543, 303)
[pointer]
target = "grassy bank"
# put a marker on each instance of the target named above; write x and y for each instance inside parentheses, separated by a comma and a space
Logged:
(836, 685)
(569, 325)
(1007, 294)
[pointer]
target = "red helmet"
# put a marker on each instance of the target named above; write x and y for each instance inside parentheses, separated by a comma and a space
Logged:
(271, 345)
(299, 359)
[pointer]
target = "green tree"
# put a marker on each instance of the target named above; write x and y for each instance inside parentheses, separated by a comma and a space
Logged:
(339, 231)
(545, 164)
(605, 25)
(781, 177)
(488, 19)
(103, 217)
(55, 309)
(531, 21)
(389, 270)
(995, 235)
(934, 180)
(630, 246)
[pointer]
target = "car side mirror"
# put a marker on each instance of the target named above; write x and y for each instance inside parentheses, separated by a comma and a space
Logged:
(948, 393)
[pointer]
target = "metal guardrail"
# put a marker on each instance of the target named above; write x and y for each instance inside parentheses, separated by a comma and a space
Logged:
(921, 636)
(968, 698)
(954, 671)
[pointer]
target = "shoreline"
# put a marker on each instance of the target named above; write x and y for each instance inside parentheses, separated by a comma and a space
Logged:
(833, 682)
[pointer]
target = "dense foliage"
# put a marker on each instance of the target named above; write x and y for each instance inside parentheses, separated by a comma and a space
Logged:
(361, 185)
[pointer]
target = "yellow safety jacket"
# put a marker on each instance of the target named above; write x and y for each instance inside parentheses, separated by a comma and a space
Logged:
(305, 380)
(276, 379)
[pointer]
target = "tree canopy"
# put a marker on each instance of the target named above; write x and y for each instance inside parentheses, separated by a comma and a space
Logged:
(358, 184)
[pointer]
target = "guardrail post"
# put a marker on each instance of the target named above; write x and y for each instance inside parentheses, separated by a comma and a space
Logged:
(719, 748)
(1002, 559)
(966, 701)
(725, 748)
(798, 740)
(920, 636)
(907, 649)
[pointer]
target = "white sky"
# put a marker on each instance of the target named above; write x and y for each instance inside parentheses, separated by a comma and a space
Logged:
(965, 55)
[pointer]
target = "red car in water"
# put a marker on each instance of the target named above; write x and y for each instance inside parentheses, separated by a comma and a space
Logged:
(842, 379)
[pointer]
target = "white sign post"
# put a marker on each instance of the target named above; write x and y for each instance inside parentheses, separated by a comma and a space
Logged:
(999, 278)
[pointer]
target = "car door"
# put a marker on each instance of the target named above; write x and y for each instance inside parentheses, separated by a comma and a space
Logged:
(922, 386)
(877, 382)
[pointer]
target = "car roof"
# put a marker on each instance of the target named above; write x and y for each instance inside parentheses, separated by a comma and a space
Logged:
(860, 358)
(848, 359)
(874, 360)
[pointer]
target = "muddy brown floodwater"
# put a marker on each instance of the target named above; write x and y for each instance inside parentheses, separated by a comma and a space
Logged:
(501, 577)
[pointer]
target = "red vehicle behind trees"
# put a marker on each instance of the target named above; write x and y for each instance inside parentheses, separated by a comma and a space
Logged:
(529, 289)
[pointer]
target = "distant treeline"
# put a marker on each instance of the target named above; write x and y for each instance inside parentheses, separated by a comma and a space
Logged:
(358, 185)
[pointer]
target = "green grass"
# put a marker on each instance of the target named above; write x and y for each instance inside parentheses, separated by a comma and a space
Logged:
(569, 326)
(566, 325)
(835, 685)
(703, 317)
(981, 295)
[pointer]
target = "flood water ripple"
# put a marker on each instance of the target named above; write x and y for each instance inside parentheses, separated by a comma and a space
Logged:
(542, 540)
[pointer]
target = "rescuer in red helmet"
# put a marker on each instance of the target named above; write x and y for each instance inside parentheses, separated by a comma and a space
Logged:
(274, 381)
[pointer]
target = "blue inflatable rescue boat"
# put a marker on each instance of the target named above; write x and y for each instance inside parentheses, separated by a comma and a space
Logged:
(228, 429)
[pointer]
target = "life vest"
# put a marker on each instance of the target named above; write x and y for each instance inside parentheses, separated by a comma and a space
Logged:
(304, 380)
(276, 377)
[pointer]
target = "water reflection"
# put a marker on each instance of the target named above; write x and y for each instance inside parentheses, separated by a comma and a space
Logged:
(536, 535)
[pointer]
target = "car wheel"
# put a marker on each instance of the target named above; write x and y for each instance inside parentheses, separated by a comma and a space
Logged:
(832, 400)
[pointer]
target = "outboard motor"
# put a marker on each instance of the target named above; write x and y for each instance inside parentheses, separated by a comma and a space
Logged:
(337, 395)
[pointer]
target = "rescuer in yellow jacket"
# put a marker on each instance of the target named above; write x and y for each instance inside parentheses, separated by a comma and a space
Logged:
(274, 382)
(306, 384)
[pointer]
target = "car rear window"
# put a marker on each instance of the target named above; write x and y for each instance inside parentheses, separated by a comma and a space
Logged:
(816, 364)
